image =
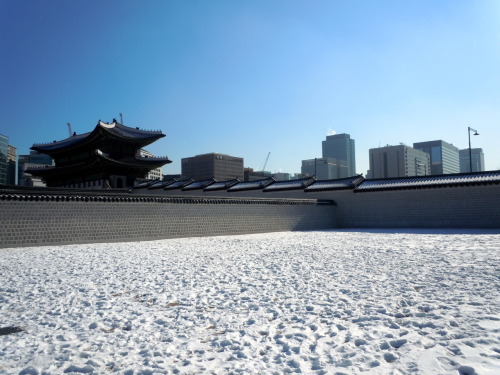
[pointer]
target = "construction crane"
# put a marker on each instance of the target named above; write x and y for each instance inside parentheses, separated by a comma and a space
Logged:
(265, 163)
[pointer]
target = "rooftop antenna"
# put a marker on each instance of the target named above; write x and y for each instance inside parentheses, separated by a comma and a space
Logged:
(121, 119)
(69, 128)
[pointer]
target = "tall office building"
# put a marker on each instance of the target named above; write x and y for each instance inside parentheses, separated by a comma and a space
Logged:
(4, 148)
(217, 166)
(444, 156)
(324, 168)
(341, 148)
(398, 161)
(11, 165)
(33, 160)
(477, 160)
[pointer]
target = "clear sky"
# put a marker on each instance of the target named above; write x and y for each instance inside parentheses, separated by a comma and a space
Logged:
(246, 78)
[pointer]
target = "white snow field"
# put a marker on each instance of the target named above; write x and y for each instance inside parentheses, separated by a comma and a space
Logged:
(327, 302)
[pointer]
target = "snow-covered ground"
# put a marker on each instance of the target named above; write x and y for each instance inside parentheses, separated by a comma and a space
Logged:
(329, 302)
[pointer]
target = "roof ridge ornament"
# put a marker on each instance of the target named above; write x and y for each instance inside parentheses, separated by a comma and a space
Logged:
(107, 125)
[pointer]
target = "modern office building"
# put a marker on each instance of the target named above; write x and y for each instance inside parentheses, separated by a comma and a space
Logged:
(22, 162)
(33, 160)
(11, 165)
(341, 148)
(325, 168)
(213, 165)
(477, 160)
(398, 161)
(250, 175)
(4, 148)
(154, 174)
(281, 176)
(444, 156)
(27, 179)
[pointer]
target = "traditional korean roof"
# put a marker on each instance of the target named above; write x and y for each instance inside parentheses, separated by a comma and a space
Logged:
(251, 185)
(420, 182)
(221, 185)
(123, 131)
(337, 184)
(48, 170)
(145, 184)
(178, 184)
(161, 184)
(198, 185)
(137, 161)
(98, 161)
(290, 185)
(102, 130)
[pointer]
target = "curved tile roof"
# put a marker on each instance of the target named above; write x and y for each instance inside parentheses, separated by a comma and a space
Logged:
(137, 161)
(337, 184)
(56, 145)
(114, 129)
(251, 185)
(221, 185)
(198, 184)
(99, 158)
(127, 132)
(50, 170)
(160, 184)
(415, 182)
(146, 184)
(178, 184)
(290, 185)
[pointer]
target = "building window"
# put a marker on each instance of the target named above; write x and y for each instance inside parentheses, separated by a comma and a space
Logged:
(436, 154)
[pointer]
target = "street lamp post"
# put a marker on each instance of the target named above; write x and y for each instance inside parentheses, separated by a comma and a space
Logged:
(470, 151)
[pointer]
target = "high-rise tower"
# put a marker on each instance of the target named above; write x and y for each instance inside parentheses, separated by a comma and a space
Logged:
(398, 161)
(342, 148)
(477, 160)
(4, 147)
(444, 156)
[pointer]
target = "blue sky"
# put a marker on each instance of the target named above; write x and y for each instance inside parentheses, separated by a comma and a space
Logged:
(250, 77)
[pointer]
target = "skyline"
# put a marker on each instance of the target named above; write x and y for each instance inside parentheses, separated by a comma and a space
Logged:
(246, 79)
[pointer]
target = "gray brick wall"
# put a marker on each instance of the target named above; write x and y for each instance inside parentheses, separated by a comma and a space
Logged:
(28, 223)
(446, 207)
(469, 206)
(33, 220)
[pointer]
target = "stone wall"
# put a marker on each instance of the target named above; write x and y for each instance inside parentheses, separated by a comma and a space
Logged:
(443, 207)
(466, 206)
(27, 220)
